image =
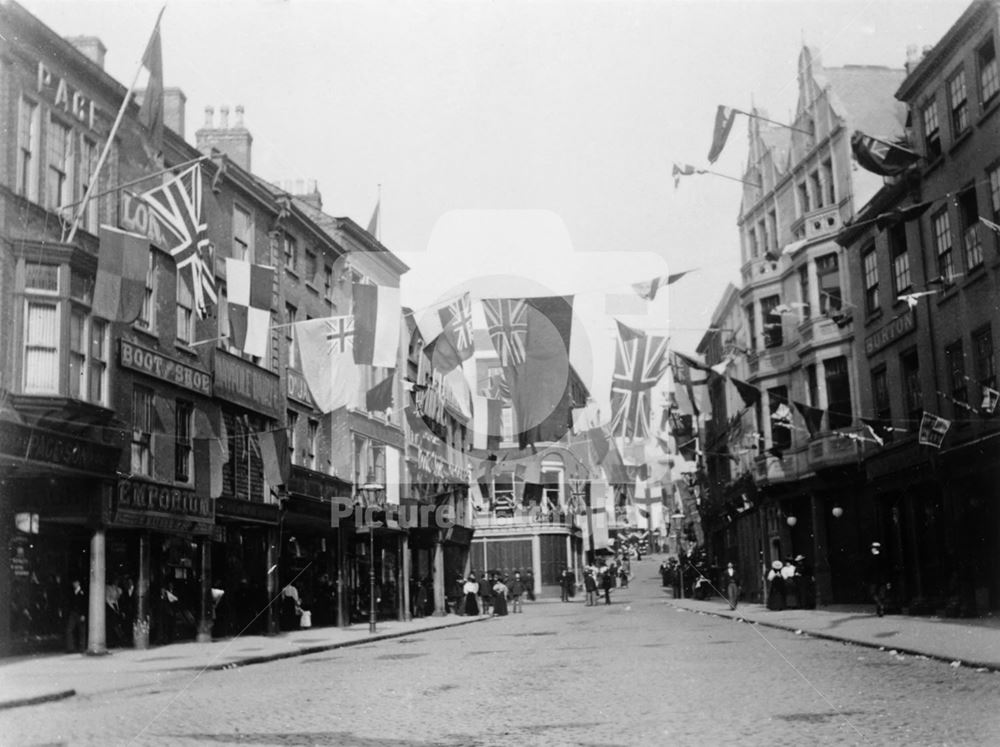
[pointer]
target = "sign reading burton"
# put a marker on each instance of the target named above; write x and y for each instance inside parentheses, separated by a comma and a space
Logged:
(891, 332)
(159, 366)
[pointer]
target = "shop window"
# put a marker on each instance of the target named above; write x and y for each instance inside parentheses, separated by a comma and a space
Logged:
(184, 417)
(41, 277)
(870, 264)
(942, 242)
(147, 315)
(909, 366)
(900, 261)
(828, 278)
(959, 102)
(773, 337)
(28, 125)
(989, 78)
(142, 431)
(41, 348)
(971, 244)
(932, 130)
(242, 234)
(838, 393)
(185, 312)
(59, 175)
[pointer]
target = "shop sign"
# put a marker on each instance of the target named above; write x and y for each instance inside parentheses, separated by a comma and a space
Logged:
(63, 96)
(158, 366)
(296, 387)
(165, 508)
(46, 447)
(891, 332)
(236, 508)
(245, 384)
(135, 217)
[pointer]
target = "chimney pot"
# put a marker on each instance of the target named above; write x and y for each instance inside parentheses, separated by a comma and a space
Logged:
(239, 116)
(224, 117)
(209, 116)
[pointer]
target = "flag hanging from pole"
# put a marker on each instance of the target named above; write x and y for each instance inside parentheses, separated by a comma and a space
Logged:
(120, 287)
(177, 206)
(640, 362)
(326, 349)
(933, 429)
(881, 157)
(647, 289)
(275, 456)
(507, 325)
(456, 323)
(379, 397)
(812, 415)
(249, 289)
(151, 109)
(684, 169)
(377, 319)
(748, 392)
(724, 117)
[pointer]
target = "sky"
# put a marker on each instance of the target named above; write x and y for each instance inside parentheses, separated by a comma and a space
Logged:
(524, 140)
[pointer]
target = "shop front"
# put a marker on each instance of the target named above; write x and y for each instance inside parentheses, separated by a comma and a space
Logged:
(381, 548)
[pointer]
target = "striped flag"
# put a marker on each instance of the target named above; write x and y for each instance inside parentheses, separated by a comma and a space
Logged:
(724, 117)
(881, 157)
(377, 319)
(176, 205)
(249, 304)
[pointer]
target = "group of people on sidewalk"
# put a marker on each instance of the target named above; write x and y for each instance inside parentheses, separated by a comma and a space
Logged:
(790, 584)
(490, 594)
(603, 578)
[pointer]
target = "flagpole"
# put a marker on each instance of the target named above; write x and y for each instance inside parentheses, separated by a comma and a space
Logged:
(732, 178)
(378, 226)
(95, 178)
(771, 121)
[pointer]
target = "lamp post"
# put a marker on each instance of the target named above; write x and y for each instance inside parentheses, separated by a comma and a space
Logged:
(677, 519)
(371, 492)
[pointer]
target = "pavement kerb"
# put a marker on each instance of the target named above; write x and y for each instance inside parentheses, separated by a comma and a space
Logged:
(306, 651)
(36, 699)
(732, 615)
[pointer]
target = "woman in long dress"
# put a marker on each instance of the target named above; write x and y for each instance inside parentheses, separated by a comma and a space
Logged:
(470, 589)
(499, 598)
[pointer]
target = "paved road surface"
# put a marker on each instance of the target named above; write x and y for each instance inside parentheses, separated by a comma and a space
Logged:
(637, 672)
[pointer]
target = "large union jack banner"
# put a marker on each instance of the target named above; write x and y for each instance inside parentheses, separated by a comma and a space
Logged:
(507, 324)
(456, 318)
(177, 206)
(640, 362)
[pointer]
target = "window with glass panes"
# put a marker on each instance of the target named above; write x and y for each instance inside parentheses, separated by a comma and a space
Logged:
(942, 242)
(958, 99)
(932, 131)
(870, 264)
(97, 362)
(310, 267)
(772, 322)
(328, 282)
(242, 234)
(812, 385)
(828, 277)
(312, 444)
(147, 316)
(971, 243)
(954, 359)
(909, 368)
(28, 126)
(59, 175)
(781, 427)
(89, 153)
(41, 348)
(185, 312)
(989, 77)
(183, 424)
(804, 203)
(291, 429)
(901, 282)
(79, 370)
(816, 187)
(142, 431)
(838, 392)
(293, 350)
(291, 252)
(982, 350)
(806, 309)
(994, 179)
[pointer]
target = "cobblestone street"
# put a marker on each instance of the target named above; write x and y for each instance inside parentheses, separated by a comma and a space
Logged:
(639, 671)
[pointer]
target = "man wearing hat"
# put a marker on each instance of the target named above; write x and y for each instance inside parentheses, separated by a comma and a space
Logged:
(878, 577)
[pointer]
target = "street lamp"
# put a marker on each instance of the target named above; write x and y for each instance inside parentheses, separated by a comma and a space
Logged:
(677, 519)
(370, 493)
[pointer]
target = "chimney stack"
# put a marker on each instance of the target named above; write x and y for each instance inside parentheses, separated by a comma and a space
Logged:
(236, 142)
(91, 47)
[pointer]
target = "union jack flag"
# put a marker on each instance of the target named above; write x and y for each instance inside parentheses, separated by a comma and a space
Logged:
(640, 361)
(498, 387)
(341, 333)
(456, 318)
(507, 324)
(176, 205)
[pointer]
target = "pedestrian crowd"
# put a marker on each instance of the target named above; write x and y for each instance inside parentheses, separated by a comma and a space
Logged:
(494, 594)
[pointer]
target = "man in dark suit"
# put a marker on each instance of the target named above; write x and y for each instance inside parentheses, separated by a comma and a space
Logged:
(878, 577)
(76, 619)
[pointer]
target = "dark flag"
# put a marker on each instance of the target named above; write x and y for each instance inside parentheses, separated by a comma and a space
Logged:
(151, 109)
(724, 117)
(881, 157)
(901, 215)
(812, 415)
(379, 397)
(748, 392)
(275, 456)
(120, 288)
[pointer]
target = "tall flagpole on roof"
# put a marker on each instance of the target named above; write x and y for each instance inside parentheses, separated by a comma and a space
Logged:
(378, 226)
(95, 177)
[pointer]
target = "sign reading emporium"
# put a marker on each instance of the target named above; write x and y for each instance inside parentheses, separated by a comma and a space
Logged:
(159, 366)
(151, 505)
(891, 332)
